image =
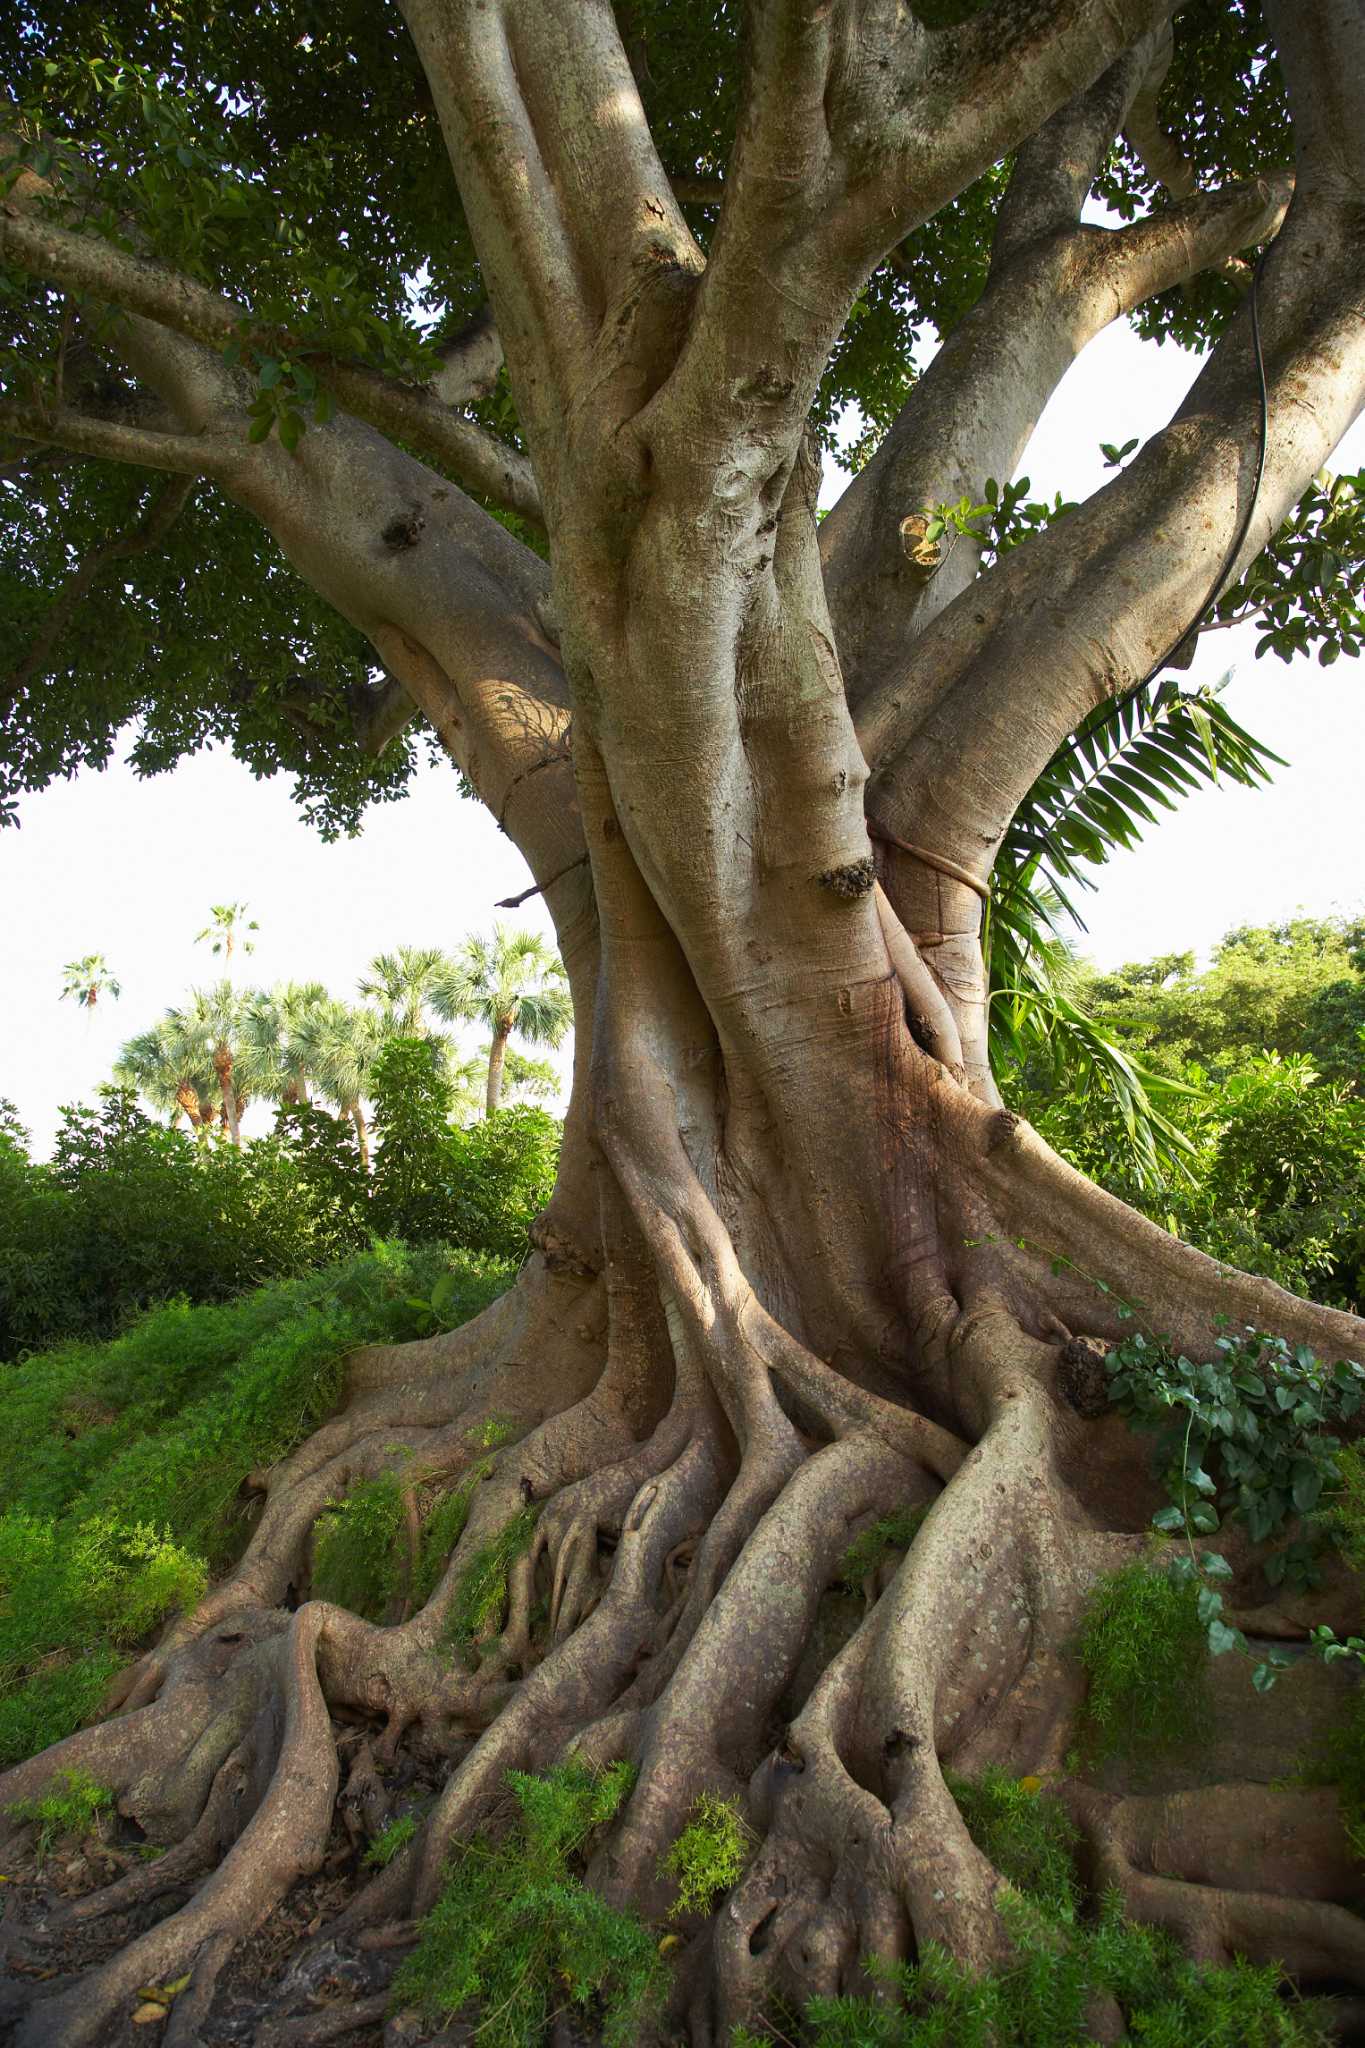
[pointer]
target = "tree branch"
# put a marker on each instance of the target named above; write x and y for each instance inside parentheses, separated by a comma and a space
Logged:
(83, 434)
(568, 203)
(859, 125)
(1054, 285)
(88, 264)
(1082, 612)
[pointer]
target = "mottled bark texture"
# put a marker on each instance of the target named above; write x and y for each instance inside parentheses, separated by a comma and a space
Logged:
(759, 773)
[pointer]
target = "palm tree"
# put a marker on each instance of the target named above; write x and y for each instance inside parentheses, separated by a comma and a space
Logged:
(209, 1028)
(347, 1044)
(280, 1037)
(228, 922)
(513, 983)
(171, 1073)
(85, 981)
(404, 984)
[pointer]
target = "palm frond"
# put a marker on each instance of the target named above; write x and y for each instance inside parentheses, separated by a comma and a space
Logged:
(1126, 763)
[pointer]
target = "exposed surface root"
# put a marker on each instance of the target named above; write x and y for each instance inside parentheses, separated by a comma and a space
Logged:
(1235, 1870)
(674, 1603)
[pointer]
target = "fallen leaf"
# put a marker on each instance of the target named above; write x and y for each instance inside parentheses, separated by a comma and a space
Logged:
(145, 2014)
(670, 1941)
(1030, 1784)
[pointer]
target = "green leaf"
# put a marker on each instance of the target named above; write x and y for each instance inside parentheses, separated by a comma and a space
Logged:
(1222, 1639)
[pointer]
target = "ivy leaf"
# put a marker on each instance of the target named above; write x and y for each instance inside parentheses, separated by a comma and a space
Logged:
(1210, 1604)
(1222, 1639)
(1214, 1566)
(1170, 1521)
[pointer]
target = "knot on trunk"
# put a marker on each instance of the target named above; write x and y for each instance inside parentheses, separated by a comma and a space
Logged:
(851, 880)
(559, 1251)
(1081, 1378)
(404, 531)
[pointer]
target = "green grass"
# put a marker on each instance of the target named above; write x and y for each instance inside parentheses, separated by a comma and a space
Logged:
(894, 1532)
(481, 1593)
(1143, 1647)
(442, 1528)
(516, 1934)
(121, 1466)
(709, 1855)
(72, 1805)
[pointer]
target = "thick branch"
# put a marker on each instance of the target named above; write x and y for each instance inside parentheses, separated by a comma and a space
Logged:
(971, 417)
(82, 434)
(860, 124)
(1084, 611)
(90, 265)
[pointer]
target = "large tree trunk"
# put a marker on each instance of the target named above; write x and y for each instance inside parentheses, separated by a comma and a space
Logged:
(801, 1268)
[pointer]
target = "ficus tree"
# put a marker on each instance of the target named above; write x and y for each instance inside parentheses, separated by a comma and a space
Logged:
(464, 369)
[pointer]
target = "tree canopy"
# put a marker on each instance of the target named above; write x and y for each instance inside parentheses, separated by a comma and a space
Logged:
(289, 160)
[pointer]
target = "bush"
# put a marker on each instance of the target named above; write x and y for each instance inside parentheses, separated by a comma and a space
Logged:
(128, 1213)
(1044, 1998)
(516, 1932)
(1142, 1645)
(709, 1855)
(122, 1465)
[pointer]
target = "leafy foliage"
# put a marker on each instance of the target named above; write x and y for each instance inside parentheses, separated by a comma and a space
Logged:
(122, 1464)
(353, 1548)
(709, 1855)
(1043, 1999)
(391, 1841)
(516, 1932)
(1025, 1834)
(129, 1213)
(1127, 761)
(1257, 1415)
(72, 1805)
(481, 1594)
(1142, 1646)
(442, 1529)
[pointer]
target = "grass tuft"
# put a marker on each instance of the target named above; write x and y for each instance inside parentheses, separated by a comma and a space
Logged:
(72, 1805)
(893, 1532)
(481, 1594)
(353, 1548)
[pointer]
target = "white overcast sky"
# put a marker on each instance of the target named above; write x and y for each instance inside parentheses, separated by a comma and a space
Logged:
(108, 864)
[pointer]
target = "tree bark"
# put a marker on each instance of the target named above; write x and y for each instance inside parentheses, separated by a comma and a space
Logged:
(800, 1269)
(497, 1053)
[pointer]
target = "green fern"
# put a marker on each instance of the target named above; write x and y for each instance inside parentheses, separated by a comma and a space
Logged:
(353, 1548)
(517, 1935)
(1127, 762)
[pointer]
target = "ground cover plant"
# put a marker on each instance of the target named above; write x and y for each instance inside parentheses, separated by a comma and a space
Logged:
(489, 353)
(122, 1470)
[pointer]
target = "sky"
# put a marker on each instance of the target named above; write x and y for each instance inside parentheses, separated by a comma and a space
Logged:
(107, 863)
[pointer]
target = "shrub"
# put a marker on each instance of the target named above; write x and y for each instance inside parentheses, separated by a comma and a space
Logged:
(72, 1805)
(391, 1841)
(481, 1593)
(353, 1548)
(516, 1931)
(1043, 1999)
(122, 1465)
(1027, 1836)
(896, 1531)
(709, 1855)
(1142, 1645)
